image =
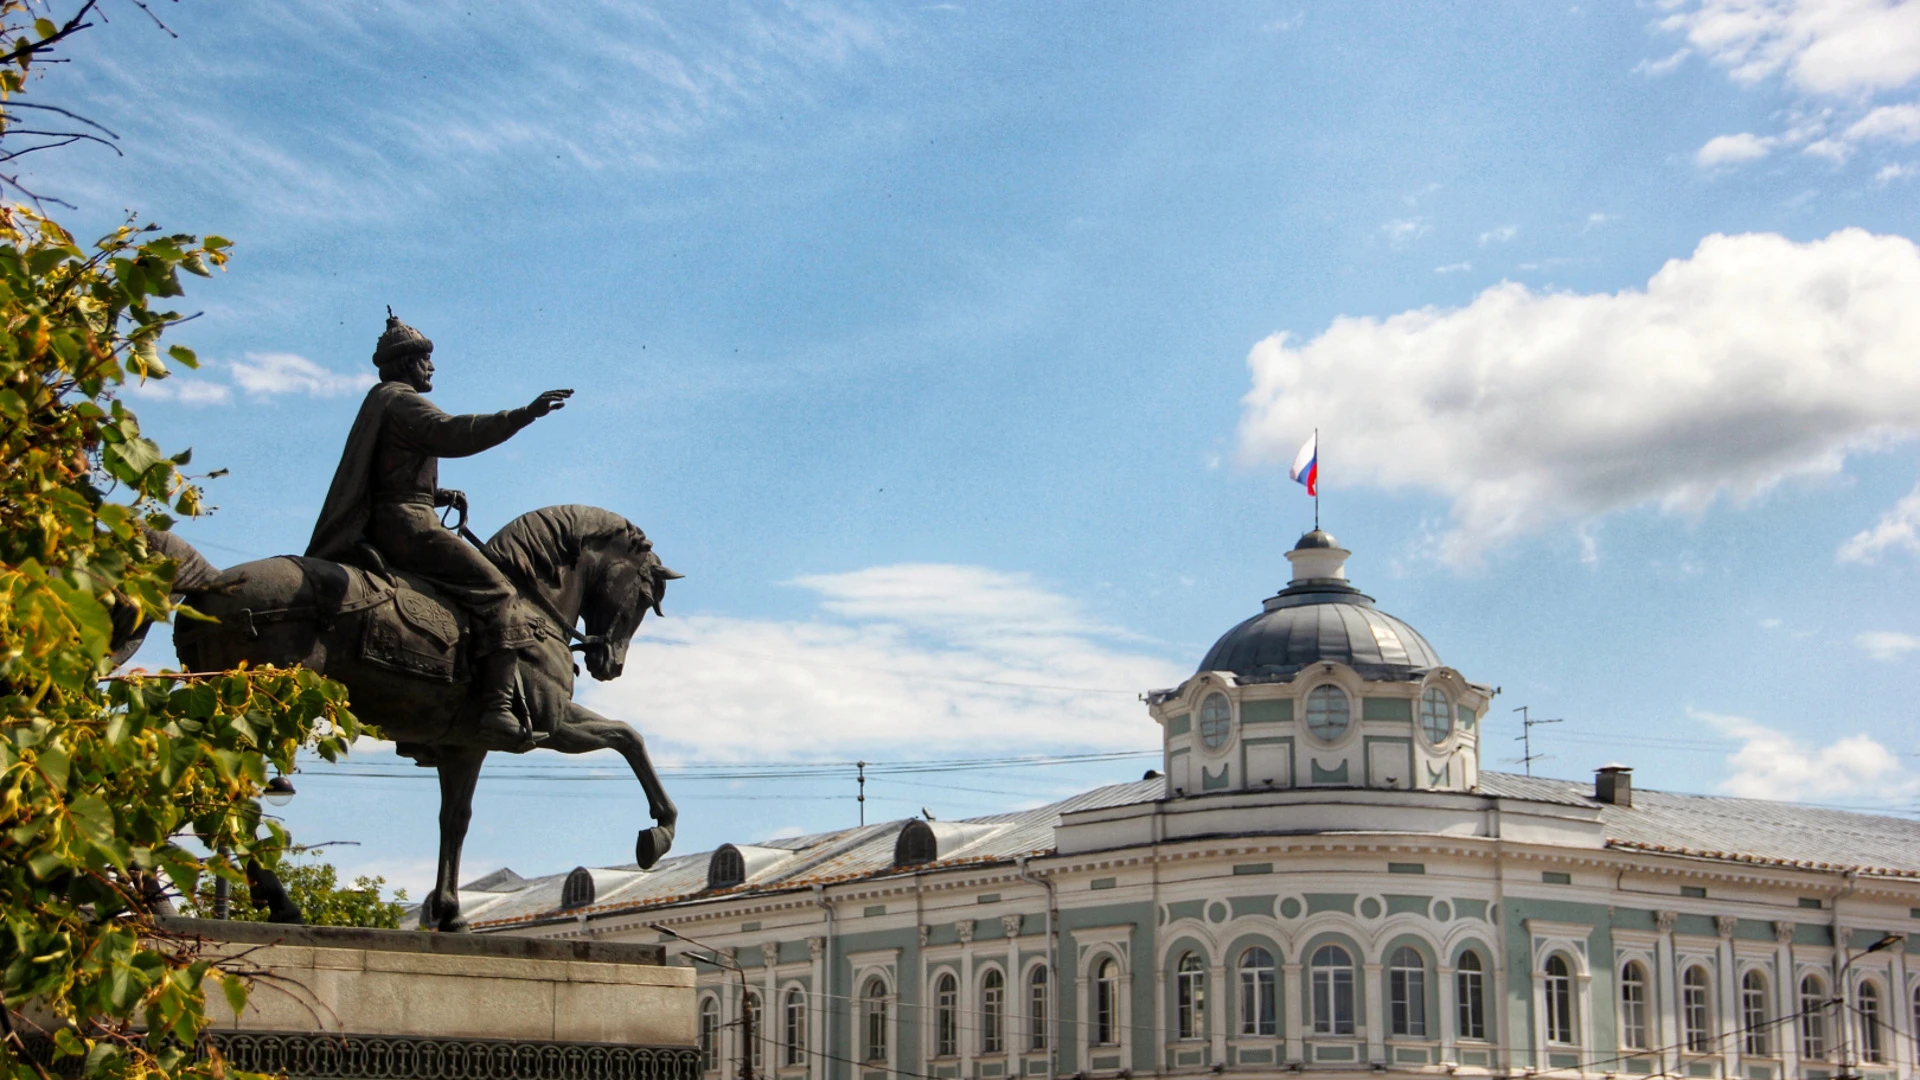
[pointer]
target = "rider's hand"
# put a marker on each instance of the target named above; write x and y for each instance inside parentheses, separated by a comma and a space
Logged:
(450, 497)
(548, 402)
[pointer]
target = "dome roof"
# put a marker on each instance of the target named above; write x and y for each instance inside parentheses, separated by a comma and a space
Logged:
(1319, 616)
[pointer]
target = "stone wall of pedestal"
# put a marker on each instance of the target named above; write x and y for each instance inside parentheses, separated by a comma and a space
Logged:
(340, 1002)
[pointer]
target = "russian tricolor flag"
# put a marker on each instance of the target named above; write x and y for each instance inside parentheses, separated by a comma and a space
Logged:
(1306, 465)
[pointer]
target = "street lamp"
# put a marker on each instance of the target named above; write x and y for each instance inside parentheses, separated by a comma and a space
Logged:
(720, 960)
(1849, 1068)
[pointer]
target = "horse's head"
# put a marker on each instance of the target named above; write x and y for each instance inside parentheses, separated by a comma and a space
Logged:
(630, 580)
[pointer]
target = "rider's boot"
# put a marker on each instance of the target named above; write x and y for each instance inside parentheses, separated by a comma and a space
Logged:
(498, 725)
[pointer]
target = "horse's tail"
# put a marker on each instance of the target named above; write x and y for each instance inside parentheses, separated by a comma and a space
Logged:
(191, 573)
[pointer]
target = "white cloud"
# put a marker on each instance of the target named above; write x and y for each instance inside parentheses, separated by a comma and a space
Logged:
(1774, 765)
(1732, 150)
(185, 391)
(1656, 68)
(1890, 123)
(1901, 171)
(1404, 230)
(1886, 644)
(1772, 624)
(921, 658)
(1453, 268)
(267, 374)
(1831, 47)
(1754, 360)
(1898, 527)
(1499, 234)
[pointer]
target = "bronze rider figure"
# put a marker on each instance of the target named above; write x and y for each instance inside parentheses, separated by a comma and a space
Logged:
(385, 493)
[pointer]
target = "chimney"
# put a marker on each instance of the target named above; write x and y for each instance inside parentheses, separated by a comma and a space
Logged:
(1613, 784)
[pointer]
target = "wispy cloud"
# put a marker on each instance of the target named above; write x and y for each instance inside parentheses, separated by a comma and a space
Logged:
(1733, 150)
(260, 375)
(1453, 268)
(1499, 234)
(1402, 231)
(1657, 68)
(1905, 170)
(1886, 644)
(1772, 764)
(904, 658)
(1897, 530)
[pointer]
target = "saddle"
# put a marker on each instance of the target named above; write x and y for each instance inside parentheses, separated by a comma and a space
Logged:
(404, 625)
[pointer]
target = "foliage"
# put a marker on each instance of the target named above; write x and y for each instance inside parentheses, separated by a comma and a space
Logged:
(313, 884)
(101, 778)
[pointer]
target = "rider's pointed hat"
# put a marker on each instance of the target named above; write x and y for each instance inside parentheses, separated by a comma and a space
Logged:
(399, 340)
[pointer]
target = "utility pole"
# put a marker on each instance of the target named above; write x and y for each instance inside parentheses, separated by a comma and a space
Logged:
(725, 963)
(1525, 738)
(862, 778)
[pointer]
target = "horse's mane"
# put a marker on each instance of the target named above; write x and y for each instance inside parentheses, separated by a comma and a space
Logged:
(533, 548)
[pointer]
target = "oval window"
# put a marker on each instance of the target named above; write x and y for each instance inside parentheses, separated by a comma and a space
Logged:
(1327, 712)
(1216, 721)
(1436, 714)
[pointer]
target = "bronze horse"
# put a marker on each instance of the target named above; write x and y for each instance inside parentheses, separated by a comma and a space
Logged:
(569, 563)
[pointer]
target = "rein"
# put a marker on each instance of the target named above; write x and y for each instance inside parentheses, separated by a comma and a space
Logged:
(581, 642)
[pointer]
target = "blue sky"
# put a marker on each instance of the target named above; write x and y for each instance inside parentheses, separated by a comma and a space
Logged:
(950, 346)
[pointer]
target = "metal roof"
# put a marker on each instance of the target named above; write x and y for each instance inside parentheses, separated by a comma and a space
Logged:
(1321, 619)
(1702, 826)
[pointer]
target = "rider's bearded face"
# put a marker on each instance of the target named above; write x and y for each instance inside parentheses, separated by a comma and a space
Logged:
(419, 371)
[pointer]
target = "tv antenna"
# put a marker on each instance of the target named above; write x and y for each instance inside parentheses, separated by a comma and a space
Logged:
(1525, 739)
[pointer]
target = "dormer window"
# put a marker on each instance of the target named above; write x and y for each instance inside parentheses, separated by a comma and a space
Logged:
(1216, 721)
(1328, 713)
(577, 891)
(726, 868)
(1436, 715)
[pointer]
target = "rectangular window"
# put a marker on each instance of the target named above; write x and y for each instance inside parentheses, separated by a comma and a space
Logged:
(1753, 1018)
(1813, 1021)
(1256, 1001)
(1037, 1010)
(1407, 1002)
(1556, 877)
(1470, 992)
(1633, 1008)
(1106, 1010)
(992, 1005)
(796, 1028)
(1192, 1005)
(1558, 990)
(1333, 1001)
(1872, 1048)
(1695, 1014)
(1698, 892)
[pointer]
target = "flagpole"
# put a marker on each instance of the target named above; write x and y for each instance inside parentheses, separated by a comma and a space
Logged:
(1316, 480)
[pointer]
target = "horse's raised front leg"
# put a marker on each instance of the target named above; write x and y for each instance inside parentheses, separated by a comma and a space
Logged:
(459, 771)
(584, 731)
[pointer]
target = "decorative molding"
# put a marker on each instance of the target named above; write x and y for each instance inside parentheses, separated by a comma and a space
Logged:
(964, 929)
(1725, 924)
(409, 1057)
(925, 933)
(1783, 932)
(1011, 924)
(1665, 920)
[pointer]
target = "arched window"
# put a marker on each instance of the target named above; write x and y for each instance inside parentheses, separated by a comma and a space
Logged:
(946, 1016)
(1813, 1018)
(1106, 1003)
(873, 1007)
(1633, 1006)
(709, 1034)
(1037, 1009)
(1407, 993)
(796, 1019)
(1559, 1001)
(1436, 715)
(1873, 1048)
(1753, 1016)
(1916, 1025)
(1328, 713)
(1190, 986)
(993, 1009)
(755, 1014)
(1696, 1010)
(1470, 996)
(1332, 991)
(1257, 1014)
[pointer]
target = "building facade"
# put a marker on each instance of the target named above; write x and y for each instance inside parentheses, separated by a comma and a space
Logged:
(1320, 880)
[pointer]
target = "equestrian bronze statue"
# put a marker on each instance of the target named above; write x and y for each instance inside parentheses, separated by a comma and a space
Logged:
(450, 646)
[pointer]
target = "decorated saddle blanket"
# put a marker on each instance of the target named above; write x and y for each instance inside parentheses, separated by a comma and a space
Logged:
(404, 625)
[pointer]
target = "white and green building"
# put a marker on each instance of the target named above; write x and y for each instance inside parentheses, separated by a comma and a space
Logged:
(1321, 880)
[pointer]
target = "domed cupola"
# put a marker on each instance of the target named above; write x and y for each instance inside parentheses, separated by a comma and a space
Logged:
(1319, 616)
(1321, 689)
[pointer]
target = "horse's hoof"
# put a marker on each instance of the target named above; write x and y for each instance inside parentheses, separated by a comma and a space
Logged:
(652, 844)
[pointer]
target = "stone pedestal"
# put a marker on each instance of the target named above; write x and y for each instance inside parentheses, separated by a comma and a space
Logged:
(378, 1004)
